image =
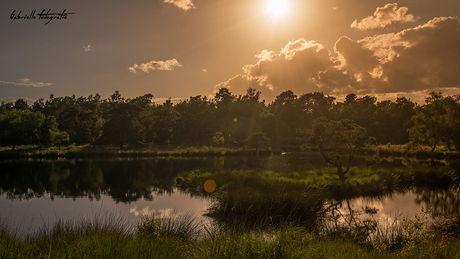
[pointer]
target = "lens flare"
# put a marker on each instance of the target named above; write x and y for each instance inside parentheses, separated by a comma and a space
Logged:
(210, 186)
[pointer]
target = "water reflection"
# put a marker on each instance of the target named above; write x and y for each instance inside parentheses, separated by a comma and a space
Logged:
(34, 192)
(123, 180)
(442, 202)
(29, 216)
(389, 208)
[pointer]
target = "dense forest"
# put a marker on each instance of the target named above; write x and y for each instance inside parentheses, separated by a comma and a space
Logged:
(225, 120)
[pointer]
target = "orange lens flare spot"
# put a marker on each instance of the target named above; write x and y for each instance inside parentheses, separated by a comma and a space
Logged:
(235, 119)
(210, 186)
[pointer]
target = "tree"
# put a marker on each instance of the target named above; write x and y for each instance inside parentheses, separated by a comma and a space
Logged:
(58, 138)
(160, 122)
(21, 104)
(359, 110)
(337, 142)
(436, 123)
(195, 125)
(50, 135)
(246, 116)
(257, 140)
(20, 127)
(286, 117)
(218, 140)
(392, 121)
(224, 102)
(123, 127)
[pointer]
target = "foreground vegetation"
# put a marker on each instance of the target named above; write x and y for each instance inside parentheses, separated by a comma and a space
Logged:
(182, 237)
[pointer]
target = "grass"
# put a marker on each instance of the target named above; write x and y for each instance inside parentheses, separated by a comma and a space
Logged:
(89, 151)
(111, 238)
(269, 186)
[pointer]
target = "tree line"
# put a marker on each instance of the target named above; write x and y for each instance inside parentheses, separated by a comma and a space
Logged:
(225, 120)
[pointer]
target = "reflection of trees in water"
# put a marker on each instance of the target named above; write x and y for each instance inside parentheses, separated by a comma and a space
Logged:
(442, 202)
(125, 180)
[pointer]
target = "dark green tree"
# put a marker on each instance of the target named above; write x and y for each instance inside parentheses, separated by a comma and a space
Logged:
(160, 123)
(20, 127)
(257, 140)
(337, 141)
(436, 123)
(286, 118)
(247, 116)
(195, 125)
(224, 101)
(123, 126)
(21, 104)
(392, 121)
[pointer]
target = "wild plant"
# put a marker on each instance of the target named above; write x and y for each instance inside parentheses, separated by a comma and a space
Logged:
(416, 232)
(149, 227)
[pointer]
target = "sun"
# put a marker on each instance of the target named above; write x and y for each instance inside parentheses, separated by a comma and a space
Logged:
(277, 7)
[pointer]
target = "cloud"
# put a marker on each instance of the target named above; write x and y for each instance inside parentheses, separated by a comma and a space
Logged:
(87, 48)
(26, 82)
(416, 61)
(301, 66)
(156, 65)
(13, 99)
(146, 211)
(183, 4)
(424, 57)
(384, 16)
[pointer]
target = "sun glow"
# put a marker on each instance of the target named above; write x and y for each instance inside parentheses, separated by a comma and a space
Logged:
(277, 7)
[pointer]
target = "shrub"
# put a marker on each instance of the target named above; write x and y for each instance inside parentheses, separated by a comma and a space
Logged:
(148, 227)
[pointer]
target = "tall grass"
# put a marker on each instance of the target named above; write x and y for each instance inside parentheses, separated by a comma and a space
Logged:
(111, 238)
(177, 224)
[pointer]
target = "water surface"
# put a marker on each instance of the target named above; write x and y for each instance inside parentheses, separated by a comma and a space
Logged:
(34, 193)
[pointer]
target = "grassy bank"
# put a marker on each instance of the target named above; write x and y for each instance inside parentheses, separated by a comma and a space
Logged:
(179, 237)
(88, 151)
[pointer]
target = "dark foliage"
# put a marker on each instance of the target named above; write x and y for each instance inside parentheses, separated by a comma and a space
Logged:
(139, 122)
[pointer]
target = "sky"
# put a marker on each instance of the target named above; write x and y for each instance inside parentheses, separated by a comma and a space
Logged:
(181, 48)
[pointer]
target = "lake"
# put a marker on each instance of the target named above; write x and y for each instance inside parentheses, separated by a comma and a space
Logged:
(35, 193)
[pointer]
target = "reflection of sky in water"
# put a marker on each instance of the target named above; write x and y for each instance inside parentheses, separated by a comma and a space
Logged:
(31, 215)
(389, 208)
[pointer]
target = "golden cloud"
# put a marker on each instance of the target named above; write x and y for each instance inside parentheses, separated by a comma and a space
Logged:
(155, 65)
(420, 59)
(384, 16)
(182, 4)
